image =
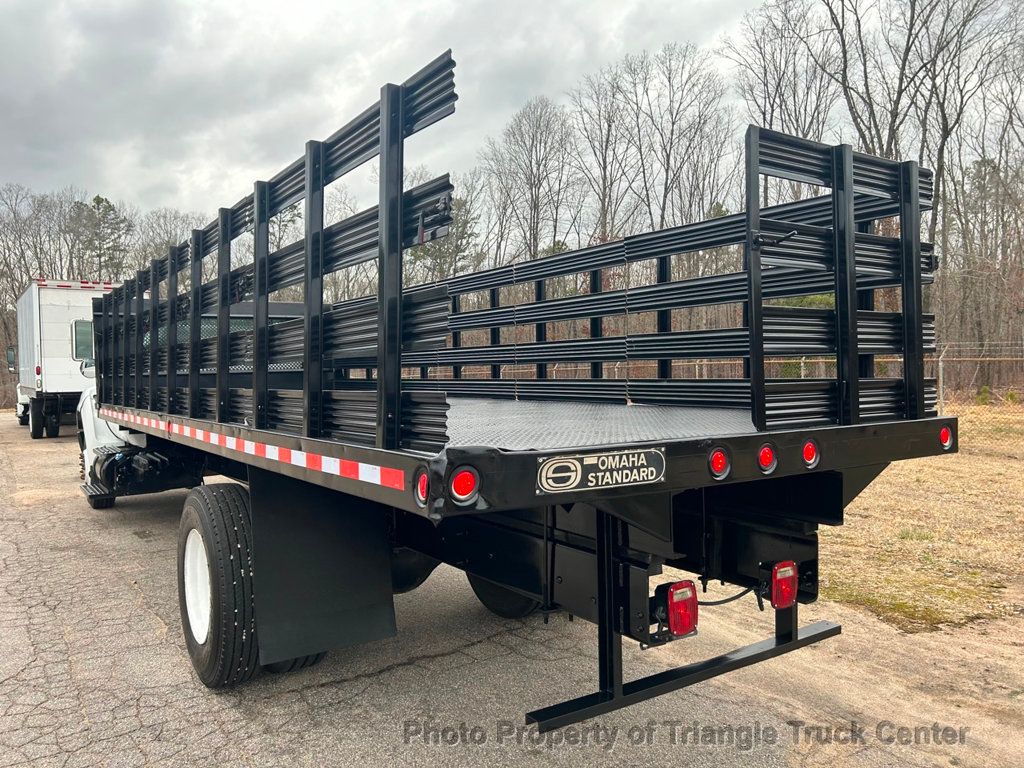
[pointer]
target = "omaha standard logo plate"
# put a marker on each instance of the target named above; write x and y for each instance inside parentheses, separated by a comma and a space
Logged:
(594, 471)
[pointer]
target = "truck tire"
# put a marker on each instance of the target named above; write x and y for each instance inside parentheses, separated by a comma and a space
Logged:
(409, 569)
(215, 584)
(35, 418)
(23, 415)
(502, 600)
(294, 665)
(52, 425)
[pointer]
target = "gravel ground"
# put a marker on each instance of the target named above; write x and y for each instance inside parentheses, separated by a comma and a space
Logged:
(93, 671)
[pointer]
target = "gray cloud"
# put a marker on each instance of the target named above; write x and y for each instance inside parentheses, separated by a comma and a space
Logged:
(185, 104)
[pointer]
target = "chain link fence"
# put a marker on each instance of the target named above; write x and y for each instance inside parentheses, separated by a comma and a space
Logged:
(983, 385)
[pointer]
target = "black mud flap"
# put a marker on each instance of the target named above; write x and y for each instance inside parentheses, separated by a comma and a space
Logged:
(322, 572)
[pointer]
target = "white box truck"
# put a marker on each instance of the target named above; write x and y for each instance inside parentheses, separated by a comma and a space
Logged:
(55, 347)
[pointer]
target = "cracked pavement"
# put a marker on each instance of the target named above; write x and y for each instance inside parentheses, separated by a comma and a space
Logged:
(93, 669)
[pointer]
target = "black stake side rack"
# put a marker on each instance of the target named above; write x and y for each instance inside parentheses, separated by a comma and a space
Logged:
(819, 245)
(371, 380)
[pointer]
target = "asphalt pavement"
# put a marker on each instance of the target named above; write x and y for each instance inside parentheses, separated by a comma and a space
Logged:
(93, 669)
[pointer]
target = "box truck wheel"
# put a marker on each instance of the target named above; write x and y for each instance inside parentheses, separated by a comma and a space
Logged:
(215, 584)
(502, 600)
(52, 424)
(35, 418)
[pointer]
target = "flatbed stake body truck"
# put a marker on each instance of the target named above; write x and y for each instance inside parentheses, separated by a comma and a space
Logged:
(54, 350)
(374, 438)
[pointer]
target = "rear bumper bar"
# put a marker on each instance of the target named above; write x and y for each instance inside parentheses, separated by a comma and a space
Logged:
(612, 692)
(635, 691)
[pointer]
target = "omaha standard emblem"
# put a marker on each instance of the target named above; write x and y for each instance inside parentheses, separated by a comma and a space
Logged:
(559, 474)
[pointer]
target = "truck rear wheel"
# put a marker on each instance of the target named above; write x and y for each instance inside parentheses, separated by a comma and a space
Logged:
(502, 600)
(23, 415)
(294, 665)
(215, 584)
(35, 418)
(52, 423)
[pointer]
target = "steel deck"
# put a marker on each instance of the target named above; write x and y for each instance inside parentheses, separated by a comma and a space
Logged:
(541, 425)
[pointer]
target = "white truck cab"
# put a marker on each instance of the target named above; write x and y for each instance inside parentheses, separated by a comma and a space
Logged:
(55, 350)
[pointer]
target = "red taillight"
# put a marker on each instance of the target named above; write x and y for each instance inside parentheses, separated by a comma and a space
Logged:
(422, 486)
(946, 437)
(682, 608)
(784, 584)
(719, 463)
(39, 370)
(766, 459)
(464, 485)
(810, 453)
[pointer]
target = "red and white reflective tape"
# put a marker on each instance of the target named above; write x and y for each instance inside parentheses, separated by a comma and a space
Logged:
(88, 285)
(388, 477)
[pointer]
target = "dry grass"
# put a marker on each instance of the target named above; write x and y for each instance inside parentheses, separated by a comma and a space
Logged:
(938, 541)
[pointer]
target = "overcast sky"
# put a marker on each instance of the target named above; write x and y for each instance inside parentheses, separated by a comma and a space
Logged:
(184, 104)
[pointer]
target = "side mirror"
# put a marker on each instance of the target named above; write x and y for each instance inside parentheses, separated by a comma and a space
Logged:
(88, 368)
(12, 360)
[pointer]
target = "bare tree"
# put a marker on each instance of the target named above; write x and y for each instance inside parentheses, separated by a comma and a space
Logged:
(605, 156)
(871, 51)
(972, 40)
(158, 230)
(784, 86)
(534, 174)
(671, 99)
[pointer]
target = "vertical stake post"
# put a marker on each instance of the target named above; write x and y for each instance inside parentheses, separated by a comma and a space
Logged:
(389, 265)
(913, 305)
(109, 373)
(195, 322)
(845, 266)
(125, 296)
(138, 337)
(261, 302)
(154, 333)
(172, 330)
(223, 375)
(754, 306)
(313, 365)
